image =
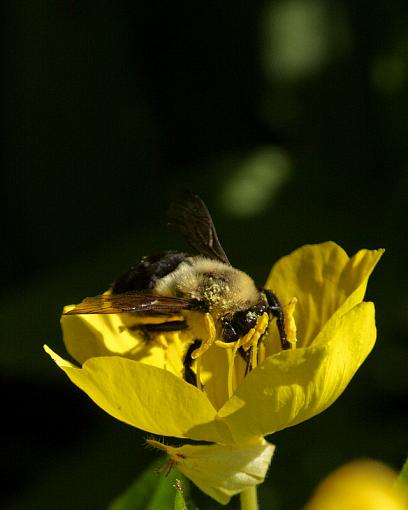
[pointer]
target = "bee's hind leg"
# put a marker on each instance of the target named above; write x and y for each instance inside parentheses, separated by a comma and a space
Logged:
(160, 327)
(246, 356)
(189, 375)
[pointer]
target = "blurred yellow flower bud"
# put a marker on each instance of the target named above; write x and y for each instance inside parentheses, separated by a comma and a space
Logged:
(360, 485)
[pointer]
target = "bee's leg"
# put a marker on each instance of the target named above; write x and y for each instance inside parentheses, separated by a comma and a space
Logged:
(276, 310)
(162, 326)
(246, 356)
(189, 375)
(148, 330)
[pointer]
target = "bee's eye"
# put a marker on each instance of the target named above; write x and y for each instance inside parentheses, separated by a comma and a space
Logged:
(241, 322)
(259, 309)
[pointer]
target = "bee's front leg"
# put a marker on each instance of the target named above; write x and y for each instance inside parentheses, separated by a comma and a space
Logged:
(276, 310)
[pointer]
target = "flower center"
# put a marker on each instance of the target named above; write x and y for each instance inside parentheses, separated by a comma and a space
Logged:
(198, 355)
(244, 354)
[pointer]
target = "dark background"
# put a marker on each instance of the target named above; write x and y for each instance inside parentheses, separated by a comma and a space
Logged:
(289, 118)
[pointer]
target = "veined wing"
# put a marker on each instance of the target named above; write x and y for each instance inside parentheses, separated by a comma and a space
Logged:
(136, 302)
(191, 217)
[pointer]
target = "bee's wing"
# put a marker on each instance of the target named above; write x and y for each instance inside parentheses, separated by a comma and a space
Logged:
(131, 302)
(192, 218)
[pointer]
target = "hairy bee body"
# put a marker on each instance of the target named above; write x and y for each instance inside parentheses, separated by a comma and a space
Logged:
(169, 283)
(214, 286)
(224, 289)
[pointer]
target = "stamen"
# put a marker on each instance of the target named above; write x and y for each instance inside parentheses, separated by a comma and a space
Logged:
(261, 352)
(161, 340)
(254, 354)
(290, 323)
(231, 371)
(248, 342)
(209, 337)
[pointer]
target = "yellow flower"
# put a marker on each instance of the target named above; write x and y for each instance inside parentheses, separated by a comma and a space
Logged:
(360, 485)
(140, 382)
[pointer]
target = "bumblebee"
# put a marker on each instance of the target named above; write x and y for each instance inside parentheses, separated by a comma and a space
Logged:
(170, 283)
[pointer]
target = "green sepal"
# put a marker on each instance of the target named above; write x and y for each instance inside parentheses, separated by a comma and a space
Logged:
(154, 491)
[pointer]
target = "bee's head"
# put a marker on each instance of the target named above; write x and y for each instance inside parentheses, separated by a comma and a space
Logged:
(241, 322)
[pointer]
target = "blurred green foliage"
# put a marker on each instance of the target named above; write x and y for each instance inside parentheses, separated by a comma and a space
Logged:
(404, 473)
(154, 491)
(287, 116)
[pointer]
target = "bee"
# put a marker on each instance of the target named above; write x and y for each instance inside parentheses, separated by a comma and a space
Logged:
(170, 283)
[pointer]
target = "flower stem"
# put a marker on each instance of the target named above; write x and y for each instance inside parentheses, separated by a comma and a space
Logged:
(249, 499)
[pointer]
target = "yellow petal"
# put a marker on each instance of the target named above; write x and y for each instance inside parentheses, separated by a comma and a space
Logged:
(295, 385)
(360, 485)
(91, 335)
(222, 471)
(146, 397)
(94, 335)
(354, 278)
(214, 375)
(322, 277)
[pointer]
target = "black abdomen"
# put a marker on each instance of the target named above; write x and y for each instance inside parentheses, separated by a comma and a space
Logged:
(144, 274)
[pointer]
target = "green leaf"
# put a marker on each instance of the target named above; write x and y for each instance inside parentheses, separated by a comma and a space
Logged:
(179, 501)
(154, 491)
(404, 473)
